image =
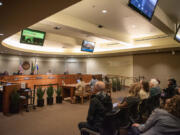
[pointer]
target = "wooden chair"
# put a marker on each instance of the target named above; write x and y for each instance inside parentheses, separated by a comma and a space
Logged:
(82, 95)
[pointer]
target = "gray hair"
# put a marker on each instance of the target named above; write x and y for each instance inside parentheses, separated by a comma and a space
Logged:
(154, 82)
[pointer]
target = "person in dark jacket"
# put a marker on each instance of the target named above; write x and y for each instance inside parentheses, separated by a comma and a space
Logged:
(178, 90)
(100, 104)
(164, 121)
(154, 87)
(170, 91)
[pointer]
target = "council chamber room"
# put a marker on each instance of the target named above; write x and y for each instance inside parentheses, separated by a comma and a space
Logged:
(90, 67)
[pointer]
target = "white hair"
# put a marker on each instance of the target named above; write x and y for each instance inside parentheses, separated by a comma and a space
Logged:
(154, 82)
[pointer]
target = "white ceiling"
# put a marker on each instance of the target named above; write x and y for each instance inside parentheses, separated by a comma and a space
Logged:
(119, 18)
(172, 8)
(79, 22)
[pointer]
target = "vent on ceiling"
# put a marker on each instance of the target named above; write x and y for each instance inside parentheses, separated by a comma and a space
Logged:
(153, 38)
(113, 44)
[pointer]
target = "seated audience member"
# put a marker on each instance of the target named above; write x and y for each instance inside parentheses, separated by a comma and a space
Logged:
(178, 91)
(106, 80)
(171, 90)
(80, 86)
(93, 82)
(164, 121)
(154, 87)
(100, 104)
(144, 92)
(108, 85)
(132, 101)
(159, 82)
(133, 97)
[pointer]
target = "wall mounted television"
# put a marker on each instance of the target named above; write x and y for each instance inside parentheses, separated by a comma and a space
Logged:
(144, 7)
(177, 35)
(87, 46)
(34, 37)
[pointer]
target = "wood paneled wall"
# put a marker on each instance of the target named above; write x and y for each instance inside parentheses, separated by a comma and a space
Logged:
(32, 80)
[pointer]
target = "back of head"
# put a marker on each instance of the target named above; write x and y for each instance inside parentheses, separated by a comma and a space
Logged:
(99, 86)
(145, 86)
(173, 106)
(93, 77)
(137, 89)
(172, 81)
(81, 79)
(134, 89)
(158, 81)
(106, 79)
(153, 83)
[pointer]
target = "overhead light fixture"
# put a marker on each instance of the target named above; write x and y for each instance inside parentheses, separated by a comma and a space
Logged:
(57, 28)
(1, 34)
(13, 43)
(104, 11)
(1, 3)
(100, 26)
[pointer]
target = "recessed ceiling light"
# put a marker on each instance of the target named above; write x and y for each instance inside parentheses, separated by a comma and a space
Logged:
(1, 3)
(57, 27)
(104, 11)
(1, 34)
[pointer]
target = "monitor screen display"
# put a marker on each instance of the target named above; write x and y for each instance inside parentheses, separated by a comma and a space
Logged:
(34, 37)
(144, 7)
(87, 46)
(177, 36)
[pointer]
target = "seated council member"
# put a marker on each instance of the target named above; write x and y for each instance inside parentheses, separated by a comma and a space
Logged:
(100, 104)
(49, 72)
(164, 121)
(80, 86)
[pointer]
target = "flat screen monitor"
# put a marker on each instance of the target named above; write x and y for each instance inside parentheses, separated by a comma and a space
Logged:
(87, 46)
(34, 37)
(144, 7)
(177, 35)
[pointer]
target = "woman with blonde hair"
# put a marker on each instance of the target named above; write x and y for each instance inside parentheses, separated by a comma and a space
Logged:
(144, 92)
(132, 101)
(133, 96)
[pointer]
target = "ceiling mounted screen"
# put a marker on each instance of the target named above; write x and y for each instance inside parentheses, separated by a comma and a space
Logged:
(144, 7)
(34, 37)
(177, 36)
(87, 46)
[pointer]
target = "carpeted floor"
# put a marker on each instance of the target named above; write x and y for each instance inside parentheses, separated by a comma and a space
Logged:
(50, 120)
